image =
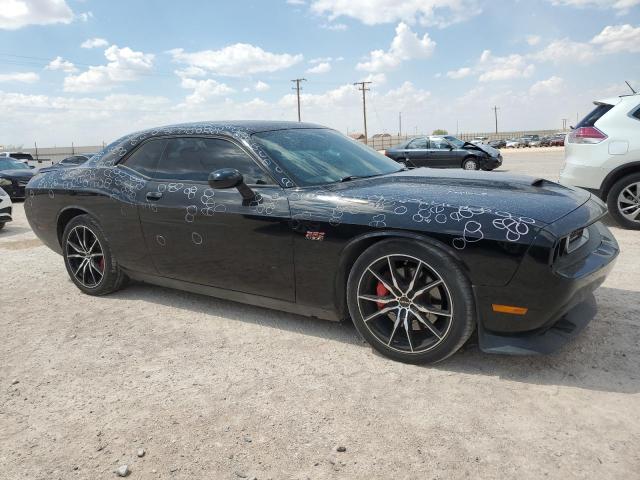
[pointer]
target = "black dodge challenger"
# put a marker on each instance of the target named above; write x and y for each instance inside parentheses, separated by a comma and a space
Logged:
(298, 217)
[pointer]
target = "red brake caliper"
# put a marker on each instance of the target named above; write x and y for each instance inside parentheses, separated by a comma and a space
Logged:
(381, 291)
(101, 264)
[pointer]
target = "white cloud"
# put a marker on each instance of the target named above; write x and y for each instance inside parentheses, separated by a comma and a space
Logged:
(22, 77)
(552, 85)
(60, 63)
(533, 39)
(337, 27)
(406, 45)
(490, 68)
(261, 86)
(622, 6)
(618, 38)
(236, 60)
(460, 73)
(204, 90)
(565, 50)
(94, 43)
(373, 12)
(124, 65)
(15, 14)
(323, 67)
(296, 2)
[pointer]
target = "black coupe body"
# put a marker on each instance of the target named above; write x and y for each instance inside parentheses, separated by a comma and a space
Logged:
(297, 217)
(445, 151)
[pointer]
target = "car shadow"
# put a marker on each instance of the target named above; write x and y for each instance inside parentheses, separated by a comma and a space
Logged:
(11, 230)
(604, 357)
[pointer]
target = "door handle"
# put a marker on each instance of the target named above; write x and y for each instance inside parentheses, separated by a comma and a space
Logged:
(154, 196)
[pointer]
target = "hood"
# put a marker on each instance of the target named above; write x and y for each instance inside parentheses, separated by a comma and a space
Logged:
(481, 147)
(525, 196)
(17, 174)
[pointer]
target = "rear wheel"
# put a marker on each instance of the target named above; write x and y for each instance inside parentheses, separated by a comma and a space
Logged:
(1, 225)
(410, 301)
(470, 163)
(88, 258)
(623, 201)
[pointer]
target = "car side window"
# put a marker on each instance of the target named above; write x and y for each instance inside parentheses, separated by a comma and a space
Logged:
(144, 159)
(193, 159)
(418, 143)
(438, 143)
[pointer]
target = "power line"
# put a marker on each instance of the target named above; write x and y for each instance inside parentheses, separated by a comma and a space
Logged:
(297, 89)
(363, 88)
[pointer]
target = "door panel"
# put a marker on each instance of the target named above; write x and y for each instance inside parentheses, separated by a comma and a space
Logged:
(200, 235)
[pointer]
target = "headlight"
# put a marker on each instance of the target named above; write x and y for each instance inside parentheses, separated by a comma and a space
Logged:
(4, 182)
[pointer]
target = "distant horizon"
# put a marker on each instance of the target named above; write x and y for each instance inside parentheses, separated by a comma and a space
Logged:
(76, 70)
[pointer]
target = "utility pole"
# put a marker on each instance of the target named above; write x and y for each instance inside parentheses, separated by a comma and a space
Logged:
(399, 124)
(564, 124)
(297, 89)
(495, 112)
(363, 88)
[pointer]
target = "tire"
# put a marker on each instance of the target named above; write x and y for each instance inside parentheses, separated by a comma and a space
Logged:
(621, 196)
(470, 163)
(374, 307)
(90, 263)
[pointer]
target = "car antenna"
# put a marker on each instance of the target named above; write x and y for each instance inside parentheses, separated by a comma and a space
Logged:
(629, 85)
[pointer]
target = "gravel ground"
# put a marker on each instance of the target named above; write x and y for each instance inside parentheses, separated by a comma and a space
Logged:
(219, 390)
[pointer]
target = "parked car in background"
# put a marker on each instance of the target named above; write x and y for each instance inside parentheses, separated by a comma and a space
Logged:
(602, 154)
(557, 140)
(479, 140)
(69, 162)
(14, 176)
(5, 208)
(497, 143)
(535, 143)
(22, 156)
(297, 217)
(513, 143)
(445, 151)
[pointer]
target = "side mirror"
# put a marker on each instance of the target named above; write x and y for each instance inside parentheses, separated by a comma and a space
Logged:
(230, 178)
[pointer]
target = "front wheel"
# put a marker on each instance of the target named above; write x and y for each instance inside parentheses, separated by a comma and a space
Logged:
(624, 201)
(410, 301)
(1, 225)
(88, 258)
(470, 164)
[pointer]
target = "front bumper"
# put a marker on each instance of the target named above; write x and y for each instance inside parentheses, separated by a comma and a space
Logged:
(16, 190)
(492, 162)
(557, 291)
(5, 213)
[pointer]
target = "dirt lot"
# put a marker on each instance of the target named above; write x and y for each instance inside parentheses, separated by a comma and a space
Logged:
(218, 390)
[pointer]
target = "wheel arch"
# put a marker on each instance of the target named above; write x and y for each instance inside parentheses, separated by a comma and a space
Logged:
(356, 246)
(615, 175)
(65, 216)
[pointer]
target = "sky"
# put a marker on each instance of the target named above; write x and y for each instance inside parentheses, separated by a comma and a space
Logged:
(88, 71)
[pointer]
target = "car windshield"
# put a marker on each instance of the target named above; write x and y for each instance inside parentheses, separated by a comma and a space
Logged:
(315, 156)
(456, 142)
(10, 164)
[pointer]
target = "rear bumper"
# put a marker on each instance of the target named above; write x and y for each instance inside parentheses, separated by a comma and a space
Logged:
(15, 191)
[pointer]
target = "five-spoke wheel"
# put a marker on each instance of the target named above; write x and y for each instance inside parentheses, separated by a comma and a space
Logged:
(405, 303)
(85, 257)
(88, 258)
(411, 301)
(624, 201)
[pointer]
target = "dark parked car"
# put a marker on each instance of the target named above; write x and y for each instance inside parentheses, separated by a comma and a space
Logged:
(14, 176)
(69, 162)
(445, 152)
(557, 140)
(297, 217)
(498, 143)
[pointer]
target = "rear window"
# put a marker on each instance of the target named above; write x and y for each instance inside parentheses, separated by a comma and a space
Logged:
(595, 115)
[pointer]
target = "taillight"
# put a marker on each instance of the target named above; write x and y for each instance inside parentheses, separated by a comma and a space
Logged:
(586, 135)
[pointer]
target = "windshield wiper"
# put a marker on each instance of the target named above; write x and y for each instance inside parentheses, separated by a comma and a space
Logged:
(348, 178)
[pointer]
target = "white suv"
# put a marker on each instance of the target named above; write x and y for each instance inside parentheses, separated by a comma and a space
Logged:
(602, 155)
